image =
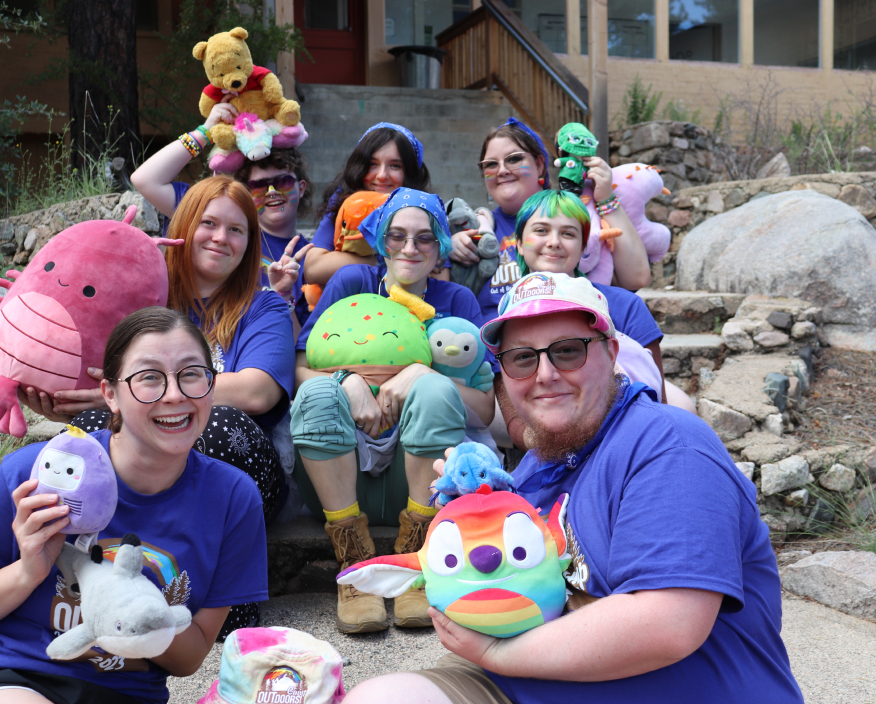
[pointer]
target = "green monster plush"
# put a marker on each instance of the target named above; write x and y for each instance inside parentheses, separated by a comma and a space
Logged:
(375, 337)
(574, 142)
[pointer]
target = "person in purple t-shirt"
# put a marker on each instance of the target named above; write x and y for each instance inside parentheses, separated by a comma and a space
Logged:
(674, 593)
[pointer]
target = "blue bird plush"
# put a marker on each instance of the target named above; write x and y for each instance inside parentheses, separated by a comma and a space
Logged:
(458, 352)
(470, 465)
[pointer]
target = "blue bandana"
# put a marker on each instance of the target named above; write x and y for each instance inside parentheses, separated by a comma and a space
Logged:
(415, 143)
(514, 122)
(373, 227)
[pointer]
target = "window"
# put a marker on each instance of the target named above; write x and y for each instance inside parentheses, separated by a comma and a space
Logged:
(786, 32)
(631, 28)
(418, 22)
(326, 14)
(854, 35)
(704, 31)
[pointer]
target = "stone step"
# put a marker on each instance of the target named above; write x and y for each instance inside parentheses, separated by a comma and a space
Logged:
(692, 345)
(301, 559)
(691, 312)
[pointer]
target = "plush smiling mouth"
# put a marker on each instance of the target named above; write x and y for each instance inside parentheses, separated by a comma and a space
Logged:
(487, 581)
(180, 422)
(64, 285)
(361, 343)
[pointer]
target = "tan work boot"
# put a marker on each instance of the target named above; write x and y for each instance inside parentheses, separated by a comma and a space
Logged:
(410, 607)
(357, 612)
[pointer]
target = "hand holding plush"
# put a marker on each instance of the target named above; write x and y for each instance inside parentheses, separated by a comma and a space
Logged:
(489, 562)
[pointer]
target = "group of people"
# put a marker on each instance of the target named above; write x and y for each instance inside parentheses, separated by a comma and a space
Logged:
(674, 587)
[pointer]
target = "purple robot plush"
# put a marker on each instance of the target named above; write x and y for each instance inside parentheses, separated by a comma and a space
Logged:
(75, 466)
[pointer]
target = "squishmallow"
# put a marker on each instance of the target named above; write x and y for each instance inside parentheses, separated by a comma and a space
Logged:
(350, 215)
(75, 466)
(373, 336)
(58, 313)
(490, 563)
(457, 349)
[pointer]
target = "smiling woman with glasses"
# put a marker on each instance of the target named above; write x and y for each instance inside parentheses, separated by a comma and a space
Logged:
(199, 520)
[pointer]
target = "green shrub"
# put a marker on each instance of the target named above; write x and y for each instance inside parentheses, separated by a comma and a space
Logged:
(639, 103)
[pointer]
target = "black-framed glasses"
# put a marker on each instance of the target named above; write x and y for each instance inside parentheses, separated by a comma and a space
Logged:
(395, 242)
(512, 162)
(282, 183)
(566, 355)
(150, 385)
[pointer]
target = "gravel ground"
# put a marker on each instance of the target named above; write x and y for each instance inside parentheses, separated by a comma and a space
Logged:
(832, 654)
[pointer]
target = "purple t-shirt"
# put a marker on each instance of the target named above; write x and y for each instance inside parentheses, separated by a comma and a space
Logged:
(655, 502)
(204, 546)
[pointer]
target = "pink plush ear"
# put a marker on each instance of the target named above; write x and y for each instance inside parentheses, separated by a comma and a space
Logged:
(130, 214)
(556, 523)
(388, 576)
(290, 137)
(226, 162)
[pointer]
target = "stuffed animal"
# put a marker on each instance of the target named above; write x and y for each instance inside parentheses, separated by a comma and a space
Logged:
(634, 185)
(122, 611)
(458, 352)
(462, 217)
(252, 137)
(75, 466)
(490, 563)
(57, 315)
(574, 144)
(230, 70)
(352, 212)
(373, 336)
(468, 467)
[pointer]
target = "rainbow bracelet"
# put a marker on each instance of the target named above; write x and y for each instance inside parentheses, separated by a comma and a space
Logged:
(607, 206)
(191, 144)
(204, 131)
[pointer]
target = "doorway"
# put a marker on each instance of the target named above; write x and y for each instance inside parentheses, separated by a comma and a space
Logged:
(334, 34)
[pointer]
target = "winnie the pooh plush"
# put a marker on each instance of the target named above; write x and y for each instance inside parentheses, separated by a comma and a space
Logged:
(229, 67)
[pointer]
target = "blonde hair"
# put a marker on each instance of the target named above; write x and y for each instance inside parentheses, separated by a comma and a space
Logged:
(220, 314)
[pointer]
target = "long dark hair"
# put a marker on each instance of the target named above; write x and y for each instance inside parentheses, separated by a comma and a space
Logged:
(290, 160)
(352, 178)
(143, 322)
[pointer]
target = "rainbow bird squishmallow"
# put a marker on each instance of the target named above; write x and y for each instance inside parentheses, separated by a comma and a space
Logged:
(373, 336)
(489, 562)
(75, 466)
(58, 313)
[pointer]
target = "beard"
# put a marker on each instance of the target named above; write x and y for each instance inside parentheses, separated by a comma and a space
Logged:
(551, 444)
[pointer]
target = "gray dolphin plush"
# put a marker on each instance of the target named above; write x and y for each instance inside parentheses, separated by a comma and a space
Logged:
(122, 611)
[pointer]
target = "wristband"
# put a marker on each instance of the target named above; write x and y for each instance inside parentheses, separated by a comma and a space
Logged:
(340, 375)
(607, 206)
(191, 144)
(204, 131)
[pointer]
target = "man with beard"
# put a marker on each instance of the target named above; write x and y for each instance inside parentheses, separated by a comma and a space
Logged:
(675, 591)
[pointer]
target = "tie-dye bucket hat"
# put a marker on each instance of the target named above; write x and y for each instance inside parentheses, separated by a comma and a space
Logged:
(277, 666)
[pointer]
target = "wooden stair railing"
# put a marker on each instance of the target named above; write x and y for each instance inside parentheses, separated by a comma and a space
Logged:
(492, 47)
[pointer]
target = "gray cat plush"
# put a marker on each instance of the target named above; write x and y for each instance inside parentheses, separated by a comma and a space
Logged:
(123, 612)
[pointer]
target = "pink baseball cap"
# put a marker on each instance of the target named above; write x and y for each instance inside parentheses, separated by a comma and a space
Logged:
(541, 293)
(277, 666)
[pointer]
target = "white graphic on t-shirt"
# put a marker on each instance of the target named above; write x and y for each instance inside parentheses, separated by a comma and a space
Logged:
(217, 358)
(507, 273)
(238, 441)
(577, 573)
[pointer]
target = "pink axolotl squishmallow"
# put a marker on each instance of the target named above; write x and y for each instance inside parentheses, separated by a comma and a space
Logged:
(58, 313)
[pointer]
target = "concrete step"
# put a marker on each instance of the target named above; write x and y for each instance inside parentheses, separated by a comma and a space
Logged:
(301, 559)
(685, 355)
(691, 312)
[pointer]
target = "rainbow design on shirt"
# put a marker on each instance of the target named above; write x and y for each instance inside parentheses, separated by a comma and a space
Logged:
(161, 563)
(490, 563)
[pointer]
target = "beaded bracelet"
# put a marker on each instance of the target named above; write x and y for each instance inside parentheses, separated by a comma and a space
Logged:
(191, 144)
(609, 205)
(204, 131)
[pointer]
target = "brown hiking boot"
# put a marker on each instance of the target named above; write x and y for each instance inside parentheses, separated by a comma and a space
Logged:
(410, 608)
(357, 612)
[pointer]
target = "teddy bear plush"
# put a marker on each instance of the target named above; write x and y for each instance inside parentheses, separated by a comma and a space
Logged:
(229, 67)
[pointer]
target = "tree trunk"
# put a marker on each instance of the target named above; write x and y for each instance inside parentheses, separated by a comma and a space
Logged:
(104, 112)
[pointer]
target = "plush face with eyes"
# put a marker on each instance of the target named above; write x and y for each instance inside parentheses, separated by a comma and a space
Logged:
(457, 350)
(490, 563)
(367, 329)
(75, 466)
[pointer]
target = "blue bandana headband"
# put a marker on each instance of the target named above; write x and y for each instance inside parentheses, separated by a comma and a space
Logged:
(415, 143)
(514, 122)
(373, 227)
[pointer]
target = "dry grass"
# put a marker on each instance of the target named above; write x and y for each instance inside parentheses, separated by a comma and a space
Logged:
(841, 408)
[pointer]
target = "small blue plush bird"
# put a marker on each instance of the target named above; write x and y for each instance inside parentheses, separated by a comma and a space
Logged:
(458, 352)
(470, 465)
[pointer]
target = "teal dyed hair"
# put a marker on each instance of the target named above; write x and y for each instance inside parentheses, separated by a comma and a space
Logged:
(444, 242)
(551, 203)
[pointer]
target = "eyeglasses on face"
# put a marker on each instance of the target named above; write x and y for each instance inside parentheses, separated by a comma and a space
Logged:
(512, 162)
(150, 385)
(566, 355)
(395, 242)
(282, 182)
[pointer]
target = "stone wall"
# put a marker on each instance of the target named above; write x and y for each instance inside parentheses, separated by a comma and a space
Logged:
(686, 154)
(689, 207)
(23, 236)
